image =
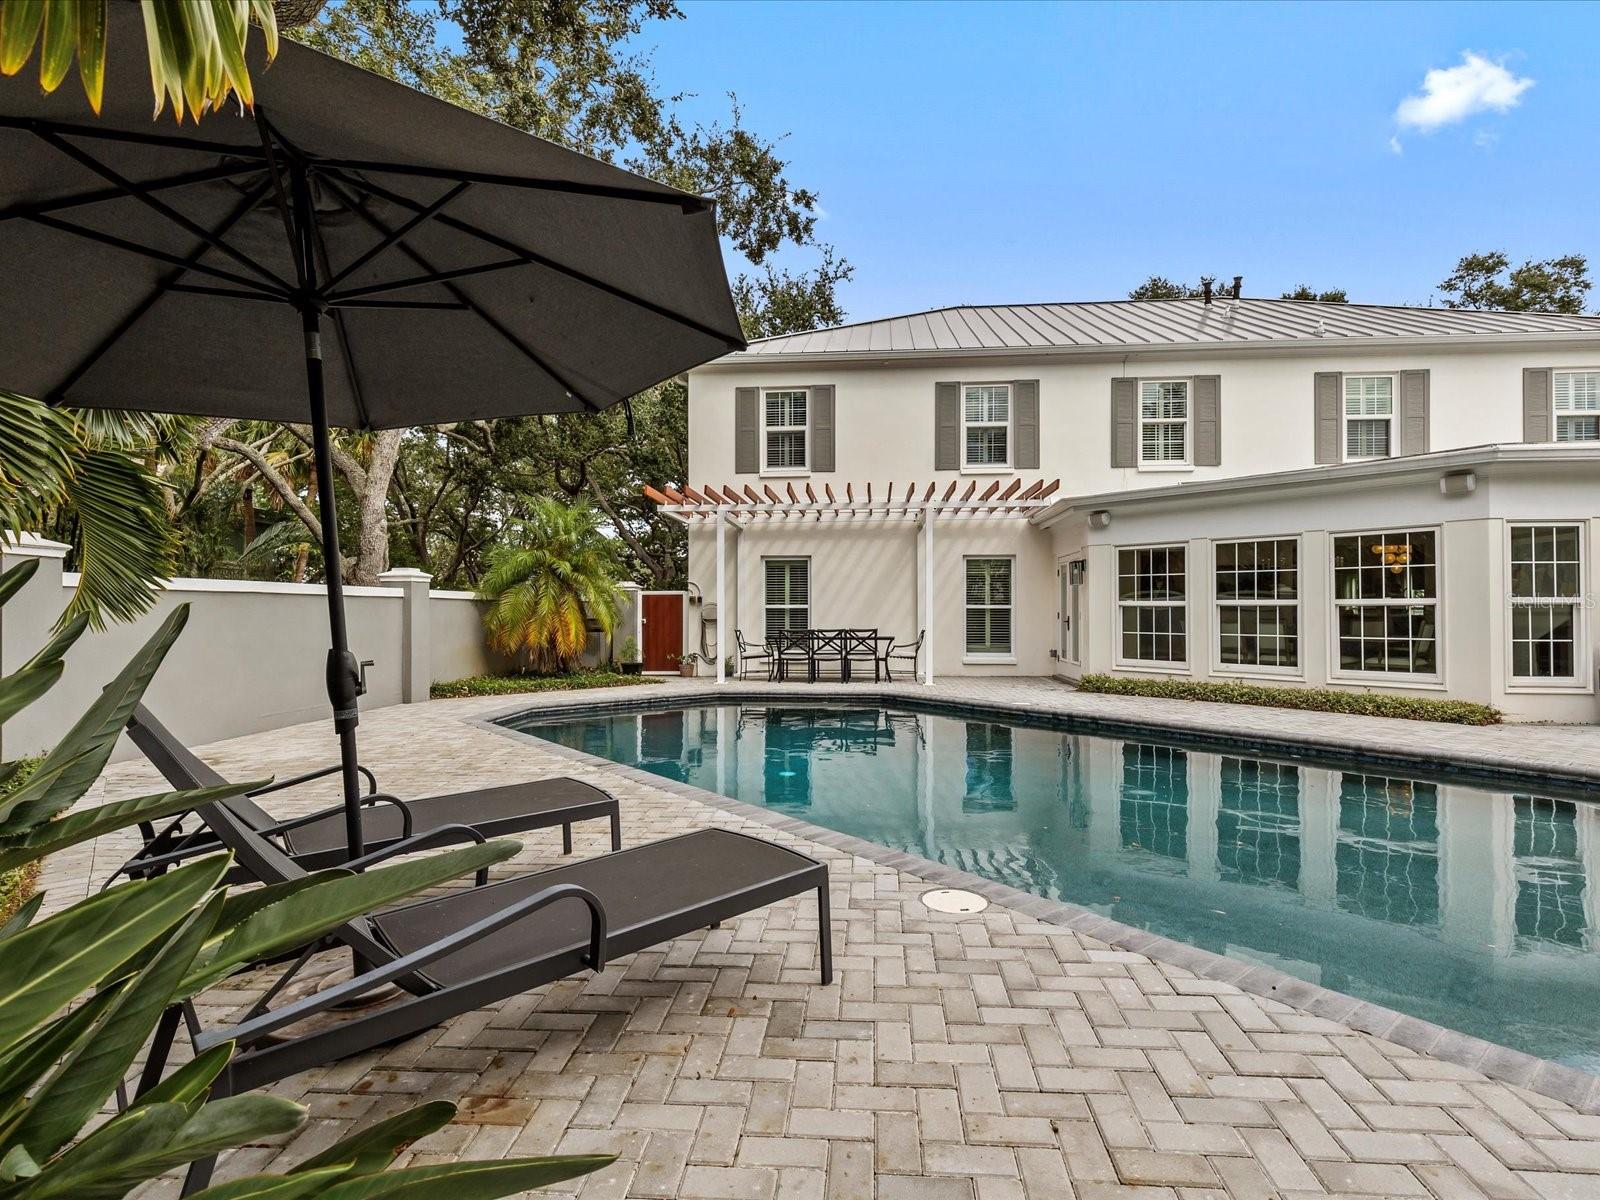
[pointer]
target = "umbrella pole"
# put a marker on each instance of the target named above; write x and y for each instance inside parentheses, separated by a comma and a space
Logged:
(344, 676)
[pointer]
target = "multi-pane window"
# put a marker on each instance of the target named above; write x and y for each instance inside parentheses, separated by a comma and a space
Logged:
(989, 606)
(1368, 416)
(1577, 405)
(1387, 856)
(1153, 808)
(1258, 823)
(986, 424)
(1258, 595)
(1163, 421)
(1386, 601)
(788, 600)
(1151, 598)
(784, 416)
(1546, 599)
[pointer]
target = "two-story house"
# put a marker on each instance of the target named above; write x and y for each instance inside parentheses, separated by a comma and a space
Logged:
(1299, 493)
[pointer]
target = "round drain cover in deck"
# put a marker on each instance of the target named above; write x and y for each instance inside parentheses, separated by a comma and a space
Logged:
(954, 900)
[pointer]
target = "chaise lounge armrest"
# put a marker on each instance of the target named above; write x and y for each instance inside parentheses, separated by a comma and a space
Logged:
(279, 785)
(336, 810)
(251, 1031)
(439, 835)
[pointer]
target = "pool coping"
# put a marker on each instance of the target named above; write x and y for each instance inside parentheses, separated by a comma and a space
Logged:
(1573, 1086)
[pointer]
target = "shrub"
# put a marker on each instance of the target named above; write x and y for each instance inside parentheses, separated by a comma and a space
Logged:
(1366, 704)
(512, 685)
(16, 887)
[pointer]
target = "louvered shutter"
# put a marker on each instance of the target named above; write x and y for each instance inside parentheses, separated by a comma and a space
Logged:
(822, 428)
(1327, 396)
(1025, 420)
(747, 431)
(1124, 422)
(947, 427)
(1207, 420)
(788, 594)
(1413, 412)
(1536, 405)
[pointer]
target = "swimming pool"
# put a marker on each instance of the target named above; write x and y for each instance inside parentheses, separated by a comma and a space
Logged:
(1474, 908)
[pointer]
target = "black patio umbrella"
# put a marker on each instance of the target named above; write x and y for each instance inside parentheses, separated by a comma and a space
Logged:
(350, 253)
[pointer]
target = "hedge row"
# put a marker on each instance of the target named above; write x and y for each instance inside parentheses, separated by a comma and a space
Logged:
(1367, 704)
(511, 685)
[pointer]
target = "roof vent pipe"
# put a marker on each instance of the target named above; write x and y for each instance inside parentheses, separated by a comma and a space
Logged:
(1205, 287)
(1238, 285)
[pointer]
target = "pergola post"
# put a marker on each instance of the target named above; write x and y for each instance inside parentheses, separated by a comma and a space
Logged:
(927, 595)
(722, 607)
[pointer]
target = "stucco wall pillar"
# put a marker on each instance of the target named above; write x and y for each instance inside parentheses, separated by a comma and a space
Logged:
(416, 643)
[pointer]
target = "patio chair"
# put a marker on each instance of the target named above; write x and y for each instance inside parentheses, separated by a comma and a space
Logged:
(792, 648)
(828, 649)
(460, 951)
(861, 646)
(906, 652)
(749, 654)
(317, 840)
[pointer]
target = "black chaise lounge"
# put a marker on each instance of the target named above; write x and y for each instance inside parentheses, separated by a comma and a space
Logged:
(317, 840)
(456, 952)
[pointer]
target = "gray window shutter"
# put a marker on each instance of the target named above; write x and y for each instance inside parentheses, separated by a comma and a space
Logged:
(1207, 420)
(1025, 421)
(1536, 404)
(1124, 422)
(947, 427)
(747, 431)
(1329, 395)
(822, 428)
(1413, 412)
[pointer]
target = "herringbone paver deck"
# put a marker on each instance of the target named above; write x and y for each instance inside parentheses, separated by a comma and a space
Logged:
(990, 1057)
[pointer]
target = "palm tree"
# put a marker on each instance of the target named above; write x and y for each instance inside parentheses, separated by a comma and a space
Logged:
(544, 592)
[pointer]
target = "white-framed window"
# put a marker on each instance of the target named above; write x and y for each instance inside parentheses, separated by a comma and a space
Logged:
(1163, 422)
(1258, 603)
(1386, 602)
(1577, 405)
(1369, 416)
(989, 607)
(788, 593)
(986, 425)
(785, 413)
(1152, 604)
(1546, 601)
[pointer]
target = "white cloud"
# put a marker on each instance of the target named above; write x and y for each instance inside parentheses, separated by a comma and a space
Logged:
(1452, 94)
(1395, 146)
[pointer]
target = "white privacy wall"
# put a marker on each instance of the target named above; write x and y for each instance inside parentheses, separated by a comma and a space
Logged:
(251, 656)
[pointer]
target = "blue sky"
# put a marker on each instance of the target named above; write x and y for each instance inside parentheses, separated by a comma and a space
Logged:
(996, 153)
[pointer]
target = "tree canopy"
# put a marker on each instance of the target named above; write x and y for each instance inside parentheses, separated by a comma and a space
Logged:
(1488, 280)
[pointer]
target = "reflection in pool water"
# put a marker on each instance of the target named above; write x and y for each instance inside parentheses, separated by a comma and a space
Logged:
(1473, 908)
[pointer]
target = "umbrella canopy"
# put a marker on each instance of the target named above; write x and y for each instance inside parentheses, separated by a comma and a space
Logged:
(351, 252)
(137, 253)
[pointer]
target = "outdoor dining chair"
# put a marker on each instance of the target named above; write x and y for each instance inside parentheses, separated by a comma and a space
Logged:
(749, 654)
(317, 840)
(906, 653)
(861, 646)
(828, 650)
(792, 648)
(466, 949)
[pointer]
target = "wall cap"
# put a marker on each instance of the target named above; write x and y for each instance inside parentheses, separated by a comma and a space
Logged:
(31, 545)
(396, 575)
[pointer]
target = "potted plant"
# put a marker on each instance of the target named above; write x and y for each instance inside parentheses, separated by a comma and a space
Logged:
(631, 664)
(685, 664)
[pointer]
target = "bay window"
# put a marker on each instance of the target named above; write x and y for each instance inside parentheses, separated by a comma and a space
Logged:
(1152, 599)
(1258, 603)
(1546, 599)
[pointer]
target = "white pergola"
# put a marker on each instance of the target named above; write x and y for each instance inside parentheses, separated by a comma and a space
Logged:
(741, 507)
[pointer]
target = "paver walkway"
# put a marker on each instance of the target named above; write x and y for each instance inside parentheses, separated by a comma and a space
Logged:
(990, 1057)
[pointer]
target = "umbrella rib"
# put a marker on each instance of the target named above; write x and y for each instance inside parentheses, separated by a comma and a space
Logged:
(472, 306)
(400, 285)
(540, 260)
(58, 393)
(687, 201)
(189, 263)
(372, 253)
(84, 158)
(78, 200)
(106, 133)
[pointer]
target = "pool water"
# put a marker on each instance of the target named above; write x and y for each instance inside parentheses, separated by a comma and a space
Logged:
(1474, 908)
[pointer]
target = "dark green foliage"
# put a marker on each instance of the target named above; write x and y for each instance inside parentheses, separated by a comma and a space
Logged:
(1306, 292)
(1487, 280)
(512, 685)
(1367, 704)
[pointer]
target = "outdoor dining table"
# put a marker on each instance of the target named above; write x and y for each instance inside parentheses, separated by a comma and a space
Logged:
(824, 646)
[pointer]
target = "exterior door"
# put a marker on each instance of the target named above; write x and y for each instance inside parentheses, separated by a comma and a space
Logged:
(663, 630)
(1072, 610)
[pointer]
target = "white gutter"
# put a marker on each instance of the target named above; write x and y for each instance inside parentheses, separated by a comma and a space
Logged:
(1421, 465)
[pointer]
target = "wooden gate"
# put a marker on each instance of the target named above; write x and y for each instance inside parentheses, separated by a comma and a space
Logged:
(663, 630)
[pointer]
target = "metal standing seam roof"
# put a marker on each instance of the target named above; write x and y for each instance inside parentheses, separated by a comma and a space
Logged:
(1147, 324)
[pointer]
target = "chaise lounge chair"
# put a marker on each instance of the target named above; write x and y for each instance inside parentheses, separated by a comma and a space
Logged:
(457, 952)
(317, 840)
